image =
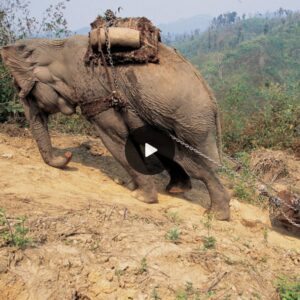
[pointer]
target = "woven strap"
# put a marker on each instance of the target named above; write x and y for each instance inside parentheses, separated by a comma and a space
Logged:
(97, 106)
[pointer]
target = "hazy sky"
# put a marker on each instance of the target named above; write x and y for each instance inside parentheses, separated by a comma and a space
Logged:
(80, 13)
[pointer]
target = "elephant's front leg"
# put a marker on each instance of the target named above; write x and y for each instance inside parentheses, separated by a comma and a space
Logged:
(113, 132)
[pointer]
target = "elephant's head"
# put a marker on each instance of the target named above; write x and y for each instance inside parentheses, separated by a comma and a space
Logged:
(17, 59)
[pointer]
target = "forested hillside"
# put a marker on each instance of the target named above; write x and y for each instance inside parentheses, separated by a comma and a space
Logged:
(253, 66)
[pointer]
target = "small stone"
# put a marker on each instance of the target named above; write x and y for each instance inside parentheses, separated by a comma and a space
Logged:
(110, 277)
(66, 263)
(104, 286)
(94, 276)
(142, 297)
(130, 294)
(104, 260)
(7, 155)
(121, 283)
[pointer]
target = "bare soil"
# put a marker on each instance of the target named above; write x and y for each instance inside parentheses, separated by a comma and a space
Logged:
(92, 240)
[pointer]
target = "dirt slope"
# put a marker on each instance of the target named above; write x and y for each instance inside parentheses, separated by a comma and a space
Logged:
(93, 240)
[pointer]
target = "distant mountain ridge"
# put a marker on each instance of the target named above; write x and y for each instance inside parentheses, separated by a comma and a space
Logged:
(181, 26)
(186, 25)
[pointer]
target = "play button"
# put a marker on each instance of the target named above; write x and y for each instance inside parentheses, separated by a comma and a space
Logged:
(147, 150)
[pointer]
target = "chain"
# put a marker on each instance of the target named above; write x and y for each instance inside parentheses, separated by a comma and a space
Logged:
(277, 201)
(109, 18)
(274, 200)
(189, 147)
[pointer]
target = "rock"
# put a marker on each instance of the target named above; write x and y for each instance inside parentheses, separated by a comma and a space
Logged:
(103, 260)
(110, 277)
(121, 283)
(94, 276)
(104, 286)
(66, 263)
(76, 262)
(7, 155)
(129, 294)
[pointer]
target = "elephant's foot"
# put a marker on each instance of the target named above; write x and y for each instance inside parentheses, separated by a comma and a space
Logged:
(220, 214)
(221, 209)
(145, 196)
(131, 185)
(179, 187)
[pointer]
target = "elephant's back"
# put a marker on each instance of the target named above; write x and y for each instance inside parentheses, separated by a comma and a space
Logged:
(170, 92)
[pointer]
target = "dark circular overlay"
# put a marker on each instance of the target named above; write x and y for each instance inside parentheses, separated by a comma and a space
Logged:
(135, 150)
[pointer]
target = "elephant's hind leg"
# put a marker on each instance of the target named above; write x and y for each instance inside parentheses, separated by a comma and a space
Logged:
(199, 169)
(180, 181)
(113, 132)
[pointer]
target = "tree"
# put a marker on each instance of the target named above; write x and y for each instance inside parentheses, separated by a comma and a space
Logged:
(16, 22)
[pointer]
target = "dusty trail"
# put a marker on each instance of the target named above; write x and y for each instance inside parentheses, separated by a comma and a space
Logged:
(93, 240)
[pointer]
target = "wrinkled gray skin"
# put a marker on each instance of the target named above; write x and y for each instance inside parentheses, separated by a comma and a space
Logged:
(171, 95)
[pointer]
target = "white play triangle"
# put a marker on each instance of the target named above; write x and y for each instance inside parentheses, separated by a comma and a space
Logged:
(149, 150)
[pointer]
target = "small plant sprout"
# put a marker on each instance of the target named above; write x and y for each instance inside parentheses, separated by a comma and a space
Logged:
(266, 235)
(14, 235)
(173, 217)
(173, 235)
(208, 223)
(154, 294)
(95, 246)
(242, 192)
(181, 296)
(143, 266)
(189, 288)
(195, 227)
(209, 241)
(119, 273)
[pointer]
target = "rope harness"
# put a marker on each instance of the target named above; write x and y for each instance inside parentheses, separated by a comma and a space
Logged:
(113, 100)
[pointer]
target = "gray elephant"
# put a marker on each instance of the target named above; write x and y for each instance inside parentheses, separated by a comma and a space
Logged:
(170, 96)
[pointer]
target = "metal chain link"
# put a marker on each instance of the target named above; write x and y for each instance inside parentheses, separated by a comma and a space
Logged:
(189, 147)
(109, 18)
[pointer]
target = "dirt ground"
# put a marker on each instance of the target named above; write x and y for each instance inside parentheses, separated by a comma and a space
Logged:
(92, 240)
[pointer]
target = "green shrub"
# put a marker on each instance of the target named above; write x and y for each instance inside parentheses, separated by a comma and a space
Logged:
(173, 235)
(288, 289)
(14, 235)
(9, 105)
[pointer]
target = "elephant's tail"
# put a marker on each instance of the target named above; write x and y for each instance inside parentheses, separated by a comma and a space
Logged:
(219, 134)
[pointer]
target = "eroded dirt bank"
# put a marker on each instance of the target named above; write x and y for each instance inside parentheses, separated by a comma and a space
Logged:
(93, 240)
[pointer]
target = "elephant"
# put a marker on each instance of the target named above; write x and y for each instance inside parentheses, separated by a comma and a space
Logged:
(171, 95)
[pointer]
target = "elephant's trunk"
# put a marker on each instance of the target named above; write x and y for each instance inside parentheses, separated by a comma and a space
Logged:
(39, 129)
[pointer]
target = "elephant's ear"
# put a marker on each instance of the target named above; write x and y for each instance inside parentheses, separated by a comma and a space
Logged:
(17, 58)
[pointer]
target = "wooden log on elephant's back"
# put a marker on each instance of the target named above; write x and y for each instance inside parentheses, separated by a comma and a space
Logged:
(118, 38)
(146, 53)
